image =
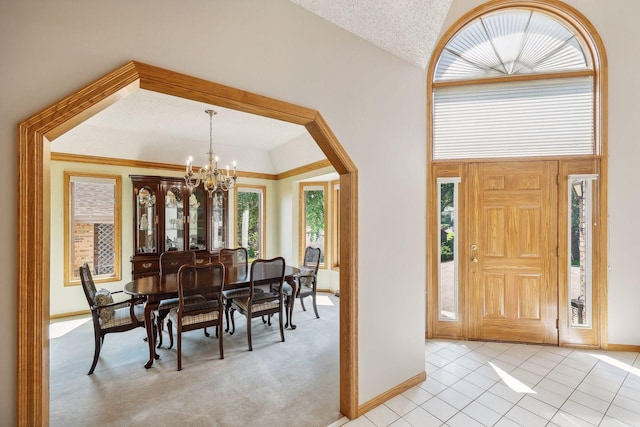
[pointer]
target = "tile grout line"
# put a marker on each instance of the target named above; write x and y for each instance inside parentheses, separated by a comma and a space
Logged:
(504, 416)
(616, 394)
(485, 390)
(564, 360)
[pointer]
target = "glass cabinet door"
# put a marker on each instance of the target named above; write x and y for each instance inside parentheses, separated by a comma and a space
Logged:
(218, 229)
(147, 237)
(197, 220)
(174, 219)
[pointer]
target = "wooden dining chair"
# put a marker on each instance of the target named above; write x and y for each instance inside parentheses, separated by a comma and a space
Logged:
(307, 279)
(268, 274)
(108, 316)
(199, 303)
(170, 263)
(234, 258)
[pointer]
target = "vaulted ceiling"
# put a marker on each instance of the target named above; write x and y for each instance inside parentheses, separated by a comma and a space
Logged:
(156, 127)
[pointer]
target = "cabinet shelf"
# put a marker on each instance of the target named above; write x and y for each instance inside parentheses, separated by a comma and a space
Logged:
(161, 205)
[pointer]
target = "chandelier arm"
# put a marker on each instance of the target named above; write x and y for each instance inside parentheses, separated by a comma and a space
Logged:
(213, 179)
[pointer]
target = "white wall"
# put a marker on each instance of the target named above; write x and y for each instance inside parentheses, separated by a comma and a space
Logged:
(616, 22)
(373, 101)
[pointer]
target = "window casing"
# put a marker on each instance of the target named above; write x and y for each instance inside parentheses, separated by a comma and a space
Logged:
(580, 265)
(335, 225)
(92, 226)
(250, 206)
(313, 224)
(448, 261)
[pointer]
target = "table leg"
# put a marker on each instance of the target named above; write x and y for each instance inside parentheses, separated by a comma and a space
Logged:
(149, 306)
(294, 291)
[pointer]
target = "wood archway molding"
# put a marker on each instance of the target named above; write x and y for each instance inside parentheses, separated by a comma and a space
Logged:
(34, 137)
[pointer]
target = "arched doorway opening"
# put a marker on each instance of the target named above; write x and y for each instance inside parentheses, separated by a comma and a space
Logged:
(35, 135)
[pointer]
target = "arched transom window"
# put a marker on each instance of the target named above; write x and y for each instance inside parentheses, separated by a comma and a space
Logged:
(514, 83)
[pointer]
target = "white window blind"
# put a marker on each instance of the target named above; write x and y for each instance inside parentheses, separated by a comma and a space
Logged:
(511, 42)
(547, 117)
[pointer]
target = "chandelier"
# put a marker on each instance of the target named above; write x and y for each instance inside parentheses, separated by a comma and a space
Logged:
(212, 177)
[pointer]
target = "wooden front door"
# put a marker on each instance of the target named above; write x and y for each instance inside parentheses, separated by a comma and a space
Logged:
(511, 259)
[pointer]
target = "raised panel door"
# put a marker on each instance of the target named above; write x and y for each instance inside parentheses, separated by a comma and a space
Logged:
(513, 264)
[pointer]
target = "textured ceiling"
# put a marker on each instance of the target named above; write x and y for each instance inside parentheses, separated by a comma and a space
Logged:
(406, 28)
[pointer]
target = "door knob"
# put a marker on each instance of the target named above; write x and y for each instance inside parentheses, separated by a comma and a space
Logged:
(474, 249)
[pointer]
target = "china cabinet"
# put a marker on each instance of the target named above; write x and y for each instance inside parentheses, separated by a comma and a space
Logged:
(168, 216)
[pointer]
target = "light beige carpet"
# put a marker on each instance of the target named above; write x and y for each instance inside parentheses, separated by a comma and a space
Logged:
(295, 383)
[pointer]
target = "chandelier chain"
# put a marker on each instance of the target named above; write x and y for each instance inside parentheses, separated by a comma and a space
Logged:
(213, 179)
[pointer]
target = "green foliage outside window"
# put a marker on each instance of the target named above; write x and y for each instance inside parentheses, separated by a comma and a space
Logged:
(446, 196)
(314, 204)
(446, 201)
(446, 249)
(576, 209)
(249, 201)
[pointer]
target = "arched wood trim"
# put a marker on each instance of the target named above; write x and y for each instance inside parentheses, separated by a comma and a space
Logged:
(34, 136)
(595, 48)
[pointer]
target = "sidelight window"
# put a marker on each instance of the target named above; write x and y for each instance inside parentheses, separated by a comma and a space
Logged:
(580, 250)
(448, 244)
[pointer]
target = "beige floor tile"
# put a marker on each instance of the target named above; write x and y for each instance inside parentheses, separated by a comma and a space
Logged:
(565, 387)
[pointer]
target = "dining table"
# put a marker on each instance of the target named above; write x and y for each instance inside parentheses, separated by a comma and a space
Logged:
(154, 289)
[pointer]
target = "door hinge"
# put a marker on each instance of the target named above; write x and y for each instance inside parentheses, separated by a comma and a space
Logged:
(558, 178)
(557, 323)
(558, 250)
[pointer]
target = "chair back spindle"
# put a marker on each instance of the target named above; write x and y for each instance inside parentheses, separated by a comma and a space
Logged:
(88, 286)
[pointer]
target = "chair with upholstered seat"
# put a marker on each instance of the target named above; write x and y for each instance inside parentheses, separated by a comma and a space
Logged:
(108, 316)
(269, 274)
(199, 302)
(307, 279)
(234, 258)
(170, 263)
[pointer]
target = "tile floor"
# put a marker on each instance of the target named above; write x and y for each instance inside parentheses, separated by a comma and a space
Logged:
(499, 384)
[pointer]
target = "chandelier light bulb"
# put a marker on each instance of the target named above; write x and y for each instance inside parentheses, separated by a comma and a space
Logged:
(212, 178)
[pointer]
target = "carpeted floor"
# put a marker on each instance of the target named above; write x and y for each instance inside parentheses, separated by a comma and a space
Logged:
(295, 383)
